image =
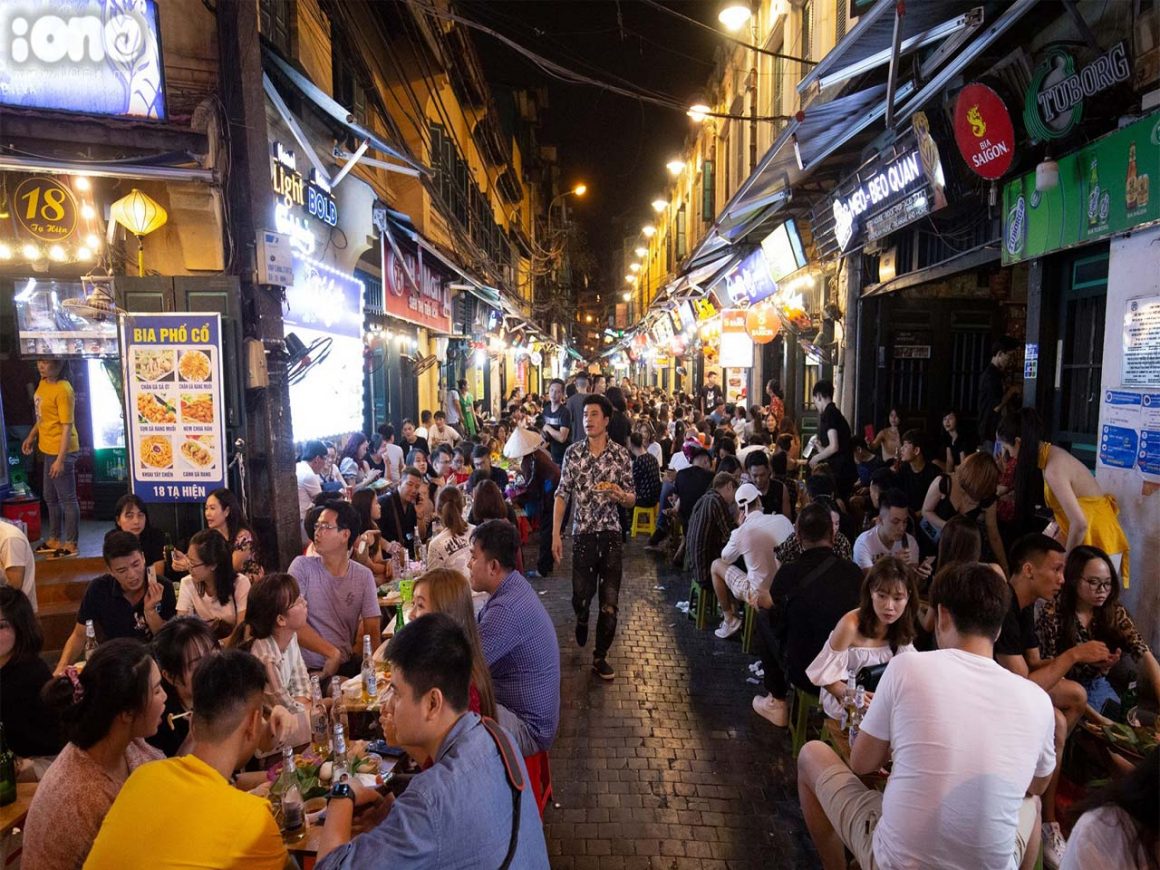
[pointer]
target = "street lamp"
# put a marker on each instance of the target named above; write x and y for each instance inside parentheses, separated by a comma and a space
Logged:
(734, 15)
(578, 190)
(675, 166)
(659, 205)
(649, 231)
(634, 267)
(640, 252)
(627, 297)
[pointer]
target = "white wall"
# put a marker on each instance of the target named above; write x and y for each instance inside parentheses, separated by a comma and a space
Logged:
(1133, 271)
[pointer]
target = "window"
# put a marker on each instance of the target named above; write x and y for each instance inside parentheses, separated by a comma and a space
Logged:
(708, 192)
(682, 240)
(348, 89)
(840, 18)
(276, 21)
(807, 29)
(779, 89)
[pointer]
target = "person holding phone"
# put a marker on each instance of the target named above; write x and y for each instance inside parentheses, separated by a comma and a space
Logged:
(882, 626)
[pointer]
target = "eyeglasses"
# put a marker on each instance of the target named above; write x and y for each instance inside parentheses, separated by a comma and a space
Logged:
(193, 565)
(328, 527)
(1098, 584)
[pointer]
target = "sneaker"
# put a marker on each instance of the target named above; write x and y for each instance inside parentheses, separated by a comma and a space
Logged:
(534, 575)
(48, 548)
(770, 708)
(66, 550)
(729, 627)
(1053, 845)
(581, 633)
(603, 669)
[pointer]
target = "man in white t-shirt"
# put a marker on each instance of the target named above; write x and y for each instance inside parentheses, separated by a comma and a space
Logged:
(973, 746)
(888, 537)
(393, 459)
(451, 408)
(309, 471)
(441, 433)
(755, 538)
(18, 561)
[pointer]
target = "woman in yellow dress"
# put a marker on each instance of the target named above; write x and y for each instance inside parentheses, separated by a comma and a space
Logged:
(1084, 513)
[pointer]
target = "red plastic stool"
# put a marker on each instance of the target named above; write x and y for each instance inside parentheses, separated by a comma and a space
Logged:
(540, 775)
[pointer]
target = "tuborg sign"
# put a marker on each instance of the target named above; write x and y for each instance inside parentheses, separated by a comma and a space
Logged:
(1055, 97)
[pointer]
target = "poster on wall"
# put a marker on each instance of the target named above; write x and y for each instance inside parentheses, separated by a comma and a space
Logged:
(172, 371)
(1120, 428)
(1148, 458)
(425, 300)
(736, 345)
(324, 310)
(1141, 362)
(1104, 189)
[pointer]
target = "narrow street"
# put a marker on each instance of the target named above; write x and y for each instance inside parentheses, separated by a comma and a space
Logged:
(667, 766)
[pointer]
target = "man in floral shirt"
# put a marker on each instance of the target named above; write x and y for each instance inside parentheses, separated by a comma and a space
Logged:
(597, 476)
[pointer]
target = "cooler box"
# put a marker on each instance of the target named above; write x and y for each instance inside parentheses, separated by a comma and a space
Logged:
(27, 510)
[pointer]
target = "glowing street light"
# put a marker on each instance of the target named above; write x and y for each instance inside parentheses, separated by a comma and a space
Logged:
(649, 231)
(580, 189)
(640, 252)
(734, 15)
(659, 205)
(634, 267)
(675, 166)
(699, 112)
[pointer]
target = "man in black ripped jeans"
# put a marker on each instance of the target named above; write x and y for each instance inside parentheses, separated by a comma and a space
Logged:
(597, 476)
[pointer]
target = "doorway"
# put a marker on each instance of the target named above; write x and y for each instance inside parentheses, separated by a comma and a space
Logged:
(1079, 357)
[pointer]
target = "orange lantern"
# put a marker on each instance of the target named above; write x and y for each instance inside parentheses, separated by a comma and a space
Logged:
(762, 324)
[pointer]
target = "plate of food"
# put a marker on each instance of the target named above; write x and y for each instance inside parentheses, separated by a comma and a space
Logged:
(152, 408)
(152, 364)
(194, 366)
(197, 451)
(197, 407)
(156, 451)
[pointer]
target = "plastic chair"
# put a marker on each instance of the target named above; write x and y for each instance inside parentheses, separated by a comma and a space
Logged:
(702, 604)
(747, 631)
(803, 705)
(540, 777)
(644, 520)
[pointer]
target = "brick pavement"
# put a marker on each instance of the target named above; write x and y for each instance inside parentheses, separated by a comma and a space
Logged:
(667, 766)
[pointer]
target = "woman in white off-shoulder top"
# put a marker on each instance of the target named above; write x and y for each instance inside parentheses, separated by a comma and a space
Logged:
(883, 626)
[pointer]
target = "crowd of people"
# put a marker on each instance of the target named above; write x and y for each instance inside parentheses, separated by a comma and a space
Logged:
(906, 577)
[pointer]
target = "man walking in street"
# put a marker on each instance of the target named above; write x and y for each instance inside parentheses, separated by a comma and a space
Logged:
(597, 475)
(711, 393)
(575, 406)
(451, 409)
(558, 426)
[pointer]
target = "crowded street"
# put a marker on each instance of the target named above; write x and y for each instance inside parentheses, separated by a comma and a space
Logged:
(650, 434)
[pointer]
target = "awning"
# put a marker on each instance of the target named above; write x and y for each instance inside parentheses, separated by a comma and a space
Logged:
(109, 168)
(338, 114)
(869, 44)
(972, 259)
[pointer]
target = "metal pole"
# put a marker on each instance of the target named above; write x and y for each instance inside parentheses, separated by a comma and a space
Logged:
(753, 104)
(892, 76)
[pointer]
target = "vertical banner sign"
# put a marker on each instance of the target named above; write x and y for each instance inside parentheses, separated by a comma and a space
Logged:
(173, 405)
(736, 345)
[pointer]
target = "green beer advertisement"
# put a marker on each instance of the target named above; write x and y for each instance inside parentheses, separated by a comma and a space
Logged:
(1104, 189)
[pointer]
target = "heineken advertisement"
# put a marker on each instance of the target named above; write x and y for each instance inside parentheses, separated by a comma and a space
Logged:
(1103, 190)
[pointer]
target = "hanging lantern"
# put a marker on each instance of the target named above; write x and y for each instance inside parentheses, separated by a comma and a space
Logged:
(762, 323)
(140, 214)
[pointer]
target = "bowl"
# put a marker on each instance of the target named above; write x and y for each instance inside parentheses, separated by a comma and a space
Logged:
(315, 810)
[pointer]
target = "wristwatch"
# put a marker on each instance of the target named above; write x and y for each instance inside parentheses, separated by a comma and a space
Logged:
(341, 790)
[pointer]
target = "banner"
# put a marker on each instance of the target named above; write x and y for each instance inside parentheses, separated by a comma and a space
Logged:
(427, 305)
(736, 345)
(1103, 190)
(172, 366)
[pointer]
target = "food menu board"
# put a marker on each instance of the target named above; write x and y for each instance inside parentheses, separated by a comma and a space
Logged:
(173, 405)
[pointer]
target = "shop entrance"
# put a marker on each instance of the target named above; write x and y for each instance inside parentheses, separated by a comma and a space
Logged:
(1076, 405)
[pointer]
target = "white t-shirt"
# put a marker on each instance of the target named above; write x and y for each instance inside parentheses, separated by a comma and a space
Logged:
(657, 454)
(451, 407)
(446, 550)
(309, 485)
(15, 551)
(208, 609)
(756, 539)
(421, 432)
(438, 436)
(869, 548)
(1104, 837)
(394, 462)
(967, 737)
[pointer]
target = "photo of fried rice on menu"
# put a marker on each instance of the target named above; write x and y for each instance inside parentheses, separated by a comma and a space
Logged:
(194, 366)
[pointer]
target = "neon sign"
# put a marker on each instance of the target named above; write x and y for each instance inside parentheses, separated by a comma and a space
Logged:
(292, 192)
(1055, 98)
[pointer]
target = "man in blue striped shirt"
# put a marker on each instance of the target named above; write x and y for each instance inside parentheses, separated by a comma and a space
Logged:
(518, 638)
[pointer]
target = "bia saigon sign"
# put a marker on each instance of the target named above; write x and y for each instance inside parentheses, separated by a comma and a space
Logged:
(984, 132)
(1055, 97)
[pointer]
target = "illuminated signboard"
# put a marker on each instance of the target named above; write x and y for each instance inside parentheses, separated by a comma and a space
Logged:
(750, 280)
(675, 317)
(423, 298)
(736, 344)
(783, 251)
(99, 57)
(906, 183)
(293, 194)
(1055, 98)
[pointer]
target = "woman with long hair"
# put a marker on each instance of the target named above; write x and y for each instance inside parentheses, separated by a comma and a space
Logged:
(54, 437)
(1088, 609)
(354, 467)
(213, 591)
(889, 438)
(969, 492)
(1120, 826)
(451, 547)
(276, 613)
(883, 625)
(107, 710)
(368, 549)
(488, 503)
(1084, 513)
(131, 515)
(446, 591)
(957, 445)
(30, 729)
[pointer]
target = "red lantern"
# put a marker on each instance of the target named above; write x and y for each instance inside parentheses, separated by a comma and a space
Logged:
(762, 324)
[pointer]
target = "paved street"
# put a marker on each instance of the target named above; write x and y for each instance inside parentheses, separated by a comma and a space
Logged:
(667, 766)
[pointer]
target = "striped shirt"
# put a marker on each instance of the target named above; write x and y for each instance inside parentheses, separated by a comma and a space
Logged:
(709, 529)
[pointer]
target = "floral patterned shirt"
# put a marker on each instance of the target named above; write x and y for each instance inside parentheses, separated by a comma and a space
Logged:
(593, 511)
(1123, 636)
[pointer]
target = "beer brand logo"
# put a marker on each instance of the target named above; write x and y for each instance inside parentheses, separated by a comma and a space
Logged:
(1055, 98)
(978, 125)
(1016, 219)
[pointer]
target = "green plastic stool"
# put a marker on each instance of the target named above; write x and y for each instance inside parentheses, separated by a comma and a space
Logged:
(747, 632)
(803, 704)
(701, 599)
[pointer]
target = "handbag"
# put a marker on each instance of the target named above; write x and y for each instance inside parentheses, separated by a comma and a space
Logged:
(869, 676)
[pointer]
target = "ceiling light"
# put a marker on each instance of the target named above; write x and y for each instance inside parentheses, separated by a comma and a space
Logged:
(675, 166)
(734, 15)
(640, 252)
(82, 183)
(699, 112)
(629, 278)
(659, 205)
(30, 252)
(93, 241)
(5, 252)
(87, 212)
(649, 231)
(56, 252)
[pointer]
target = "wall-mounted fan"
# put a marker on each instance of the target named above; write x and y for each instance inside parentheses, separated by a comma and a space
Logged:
(303, 358)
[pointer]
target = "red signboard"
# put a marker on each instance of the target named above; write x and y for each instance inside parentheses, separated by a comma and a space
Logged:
(762, 323)
(426, 301)
(984, 132)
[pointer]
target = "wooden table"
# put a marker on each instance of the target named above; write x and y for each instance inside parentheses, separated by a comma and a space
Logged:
(838, 739)
(13, 815)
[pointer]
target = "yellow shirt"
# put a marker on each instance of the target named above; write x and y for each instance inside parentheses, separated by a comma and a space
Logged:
(181, 813)
(55, 404)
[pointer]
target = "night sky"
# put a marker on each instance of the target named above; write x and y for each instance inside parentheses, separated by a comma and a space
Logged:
(618, 146)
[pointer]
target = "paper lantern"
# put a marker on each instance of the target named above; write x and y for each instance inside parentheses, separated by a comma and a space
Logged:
(762, 324)
(140, 214)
